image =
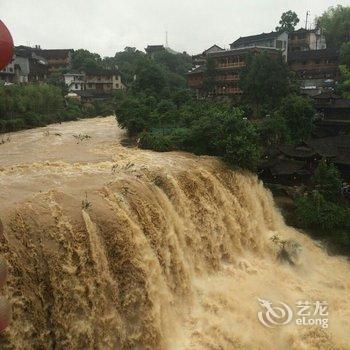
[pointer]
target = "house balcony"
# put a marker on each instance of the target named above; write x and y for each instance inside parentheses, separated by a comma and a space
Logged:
(231, 65)
(227, 78)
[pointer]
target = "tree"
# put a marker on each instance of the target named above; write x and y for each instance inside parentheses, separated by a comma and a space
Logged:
(345, 54)
(128, 61)
(150, 78)
(274, 130)
(335, 23)
(178, 63)
(83, 60)
(298, 113)
(288, 22)
(344, 87)
(264, 81)
(209, 76)
(224, 132)
(327, 181)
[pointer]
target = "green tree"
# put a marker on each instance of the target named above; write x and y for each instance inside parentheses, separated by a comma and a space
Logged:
(345, 54)
(83, 60)
(264, 81)
(274, 130)
(128, 62)
(335, 23)
(315, 212)
(150, 78)
(345, 81)
(209, 76)
(298, 113)
(288, 22)
(224, 132)
(178, 63)
(327, 181)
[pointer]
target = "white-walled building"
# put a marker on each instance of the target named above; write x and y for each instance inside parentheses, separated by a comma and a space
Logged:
(75, 81)
(101, 80)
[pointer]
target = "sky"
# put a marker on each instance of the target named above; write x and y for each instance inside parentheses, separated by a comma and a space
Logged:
(107, 26)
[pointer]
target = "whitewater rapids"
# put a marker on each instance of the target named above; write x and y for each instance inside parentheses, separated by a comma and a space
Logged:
(117, 248)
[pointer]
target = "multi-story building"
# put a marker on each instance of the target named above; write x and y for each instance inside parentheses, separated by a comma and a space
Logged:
(100, 80)
(200, 59)
(306, 39)
(315, 69)
(75, 81)
(26, 66)
(56, 58)
(105, 80)
(228, 65)
(275, 40)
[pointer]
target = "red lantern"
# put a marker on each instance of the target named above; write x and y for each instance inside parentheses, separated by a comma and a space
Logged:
(6, 46)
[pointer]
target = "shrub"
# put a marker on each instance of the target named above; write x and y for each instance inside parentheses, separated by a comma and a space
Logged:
(156, 142)
(315, 212)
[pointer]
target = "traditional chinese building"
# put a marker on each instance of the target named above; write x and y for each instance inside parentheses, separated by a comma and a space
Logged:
(56, 58)
(275, 40)
(228, 65)
(315, 69)
(199, 60)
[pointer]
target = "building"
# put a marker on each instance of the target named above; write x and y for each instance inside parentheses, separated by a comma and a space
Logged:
(75, 81)
(274, 40)
(306, 39)
(7, 75)
(99, 80)
(200, 59)
(105, 80)
(295, 164)
(228, 65)
(31, 66)
(56, 58)
(26, 66)
(22, 68)
(53, 58)
(316, 69)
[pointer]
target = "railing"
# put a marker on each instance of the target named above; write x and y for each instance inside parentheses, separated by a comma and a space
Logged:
(231, 65)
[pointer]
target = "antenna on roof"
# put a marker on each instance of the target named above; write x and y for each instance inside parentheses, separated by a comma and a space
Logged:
(166, 39)
(307, 17)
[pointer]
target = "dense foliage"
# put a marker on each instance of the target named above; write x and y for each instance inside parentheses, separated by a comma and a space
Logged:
(298, 113)
(335, 23)
(288, 22)
(324, 210)
(345, 54)
(264, 82)
(181, 123)
(344, 87)
(27, 106)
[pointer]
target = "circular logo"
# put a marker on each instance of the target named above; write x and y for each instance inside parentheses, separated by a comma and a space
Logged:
(272, 316)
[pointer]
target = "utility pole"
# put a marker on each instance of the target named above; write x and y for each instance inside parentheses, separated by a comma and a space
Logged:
(166, 39)
(307, 17)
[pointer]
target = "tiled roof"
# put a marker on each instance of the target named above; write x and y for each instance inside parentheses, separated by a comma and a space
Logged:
(246, 40)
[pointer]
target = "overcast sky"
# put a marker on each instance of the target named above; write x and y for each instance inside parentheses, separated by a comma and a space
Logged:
(107, 26)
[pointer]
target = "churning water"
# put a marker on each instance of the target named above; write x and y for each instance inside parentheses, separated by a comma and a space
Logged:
(116, 248)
